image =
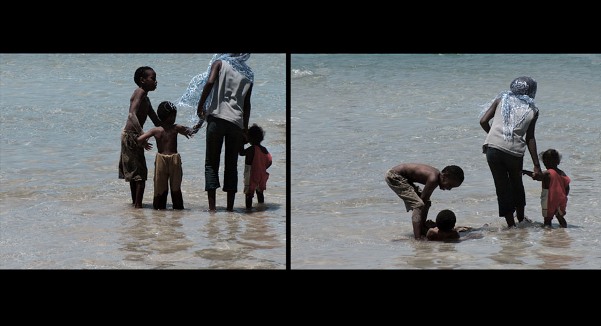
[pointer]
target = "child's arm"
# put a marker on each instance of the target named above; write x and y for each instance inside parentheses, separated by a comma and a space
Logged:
(249, 154)
(142, 139)
(134, 104)
(537, 177)
(429, 187)
(183, 130)
(432, 234)
(154, 117)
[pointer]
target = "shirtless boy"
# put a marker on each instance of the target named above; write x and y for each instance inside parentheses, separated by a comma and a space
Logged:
(132, 163)
(402, 178)
(168, 163)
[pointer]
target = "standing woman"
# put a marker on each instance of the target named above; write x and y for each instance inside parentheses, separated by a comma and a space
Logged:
(225, 106)
(514, 115)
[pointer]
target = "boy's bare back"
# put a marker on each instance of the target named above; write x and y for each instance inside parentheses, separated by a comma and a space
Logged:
(420, 173)
(166, 137)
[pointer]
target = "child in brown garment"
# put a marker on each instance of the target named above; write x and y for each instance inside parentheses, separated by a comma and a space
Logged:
(168, 164)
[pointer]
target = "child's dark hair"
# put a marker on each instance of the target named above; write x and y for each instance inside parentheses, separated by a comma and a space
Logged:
(550, 155)
(140, 72)
(165, 109)
(255, 134)
(445, 220)
(454, 172)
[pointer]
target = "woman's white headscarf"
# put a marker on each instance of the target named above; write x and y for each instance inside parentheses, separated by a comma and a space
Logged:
(192, 95)
(516, 104)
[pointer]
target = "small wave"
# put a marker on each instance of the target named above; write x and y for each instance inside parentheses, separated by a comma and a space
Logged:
(299, 73)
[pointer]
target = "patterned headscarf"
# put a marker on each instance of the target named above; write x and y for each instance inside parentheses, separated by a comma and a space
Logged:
(192, 95)
(517, 104)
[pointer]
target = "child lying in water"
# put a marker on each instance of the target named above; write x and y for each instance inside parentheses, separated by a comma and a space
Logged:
(444, 228)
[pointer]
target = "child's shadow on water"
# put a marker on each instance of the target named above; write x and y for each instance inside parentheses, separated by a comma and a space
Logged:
(262, 207)
(537, 224)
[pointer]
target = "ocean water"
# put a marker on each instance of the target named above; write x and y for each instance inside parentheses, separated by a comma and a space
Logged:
(354, 116)
(62, 205)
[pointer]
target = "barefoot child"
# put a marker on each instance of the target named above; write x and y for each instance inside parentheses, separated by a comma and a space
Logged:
(555, 188)
(401, 179)
(168, 164)
(257, 160)
(132, 163)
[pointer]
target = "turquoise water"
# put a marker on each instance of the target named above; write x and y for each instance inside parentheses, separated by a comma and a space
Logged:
(61, 203)
(354, 116)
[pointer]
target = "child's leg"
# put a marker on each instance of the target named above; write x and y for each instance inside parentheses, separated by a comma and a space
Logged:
(544, 198)
(161, 182)
(132, 189)
(424, 215)
(560, 217)
(249, 202)
(160, 200)
(175, 184)
(562, 221)
(177, 199)
(260, 197)
(547, 221)
(416, 221)
(140, 186)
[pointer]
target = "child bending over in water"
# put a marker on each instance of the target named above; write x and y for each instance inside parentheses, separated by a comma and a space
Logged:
(555, 188)
(168, 163)
(402, 178)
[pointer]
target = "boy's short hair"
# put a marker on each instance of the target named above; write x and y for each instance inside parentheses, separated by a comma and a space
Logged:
(165, 109)
(140, 73)
(445, 220)
(454, 172)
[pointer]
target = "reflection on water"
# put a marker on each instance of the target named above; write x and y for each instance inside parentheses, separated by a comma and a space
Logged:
(168, 239)
(514, 243)
(433, 254)
(410, 108)
(155, 238)
(238, 239)
(556, 251)
(50, 219)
